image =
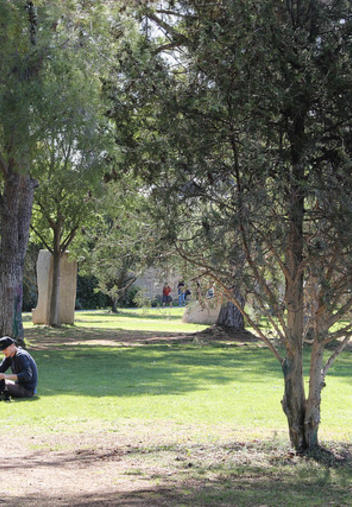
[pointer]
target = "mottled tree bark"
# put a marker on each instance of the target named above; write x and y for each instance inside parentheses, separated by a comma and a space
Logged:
(293, 402)
(15, 216)
(230, 316)
(316, 383)
(54, 312)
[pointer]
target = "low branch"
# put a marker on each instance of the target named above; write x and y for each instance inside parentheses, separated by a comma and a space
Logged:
(338, 334)
(339, 313)
(166, 47)
(235, 301)
(334, 355)
(42, 239)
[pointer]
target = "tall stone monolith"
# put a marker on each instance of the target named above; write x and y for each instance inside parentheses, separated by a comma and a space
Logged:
(67, 293)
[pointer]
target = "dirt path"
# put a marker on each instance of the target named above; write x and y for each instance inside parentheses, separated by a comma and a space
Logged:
(136, 467)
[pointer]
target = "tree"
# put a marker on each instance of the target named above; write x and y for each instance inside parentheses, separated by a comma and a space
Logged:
(246, 142)
(34, 49)
(122, 243)
(70, 167)
(20, 89)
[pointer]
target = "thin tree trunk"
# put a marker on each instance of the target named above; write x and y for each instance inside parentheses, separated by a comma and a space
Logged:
(312, 415)
(15, 215)
(293, 402)
(54, 314)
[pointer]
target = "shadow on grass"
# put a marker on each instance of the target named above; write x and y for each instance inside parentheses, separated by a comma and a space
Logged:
(154, 369)
(157, 363)
(49, 337)
(27, 400)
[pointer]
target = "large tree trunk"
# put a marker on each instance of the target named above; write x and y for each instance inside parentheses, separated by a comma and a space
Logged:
(15, 216)
(230, 316)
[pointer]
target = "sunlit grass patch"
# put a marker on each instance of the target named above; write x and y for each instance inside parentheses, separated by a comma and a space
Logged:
(200, 422)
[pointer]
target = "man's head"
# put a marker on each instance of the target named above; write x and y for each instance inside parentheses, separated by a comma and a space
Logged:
(7, 346)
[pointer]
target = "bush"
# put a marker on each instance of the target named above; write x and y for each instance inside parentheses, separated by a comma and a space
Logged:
(88, 297)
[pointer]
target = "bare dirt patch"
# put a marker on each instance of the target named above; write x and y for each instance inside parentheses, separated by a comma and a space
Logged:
(138, 467)
(42, 337)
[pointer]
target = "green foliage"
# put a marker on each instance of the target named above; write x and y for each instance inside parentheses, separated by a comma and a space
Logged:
(87, 296)
(122, 242)
(241, 114)
(239, 124)
(72, 159)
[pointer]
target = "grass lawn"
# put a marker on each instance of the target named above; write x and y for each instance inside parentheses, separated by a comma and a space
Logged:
(183, 421)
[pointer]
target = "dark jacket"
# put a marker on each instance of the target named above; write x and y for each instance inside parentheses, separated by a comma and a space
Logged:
(23, 365)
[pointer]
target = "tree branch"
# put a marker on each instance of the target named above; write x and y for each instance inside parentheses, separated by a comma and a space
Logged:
(235, 301)
(334, 355)
(338, 334)
(42, 239)
(169, 29)
(33, 21)
(69, 238)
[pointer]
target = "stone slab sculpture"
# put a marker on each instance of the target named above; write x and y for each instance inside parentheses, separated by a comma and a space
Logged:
(68, 286)
(206, 313)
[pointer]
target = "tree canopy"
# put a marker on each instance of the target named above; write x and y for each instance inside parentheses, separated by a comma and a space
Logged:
(239, 119)
(232, 119)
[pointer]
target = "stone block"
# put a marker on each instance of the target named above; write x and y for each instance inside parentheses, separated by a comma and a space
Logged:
(205, 314)
(67, 293)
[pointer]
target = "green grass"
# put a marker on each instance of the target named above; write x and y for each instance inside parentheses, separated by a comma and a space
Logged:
(220, 397)
(166, 320)
(212, 383)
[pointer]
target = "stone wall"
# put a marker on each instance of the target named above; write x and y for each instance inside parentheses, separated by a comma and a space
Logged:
(152, 282)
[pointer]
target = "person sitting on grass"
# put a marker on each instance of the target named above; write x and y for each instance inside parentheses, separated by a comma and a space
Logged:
(22, 382)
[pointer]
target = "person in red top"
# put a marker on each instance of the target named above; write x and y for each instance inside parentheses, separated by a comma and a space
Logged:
(167, 298)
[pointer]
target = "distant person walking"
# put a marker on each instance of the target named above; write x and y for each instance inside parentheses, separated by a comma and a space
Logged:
(180, 293)
(167, 298)
(186, 293)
